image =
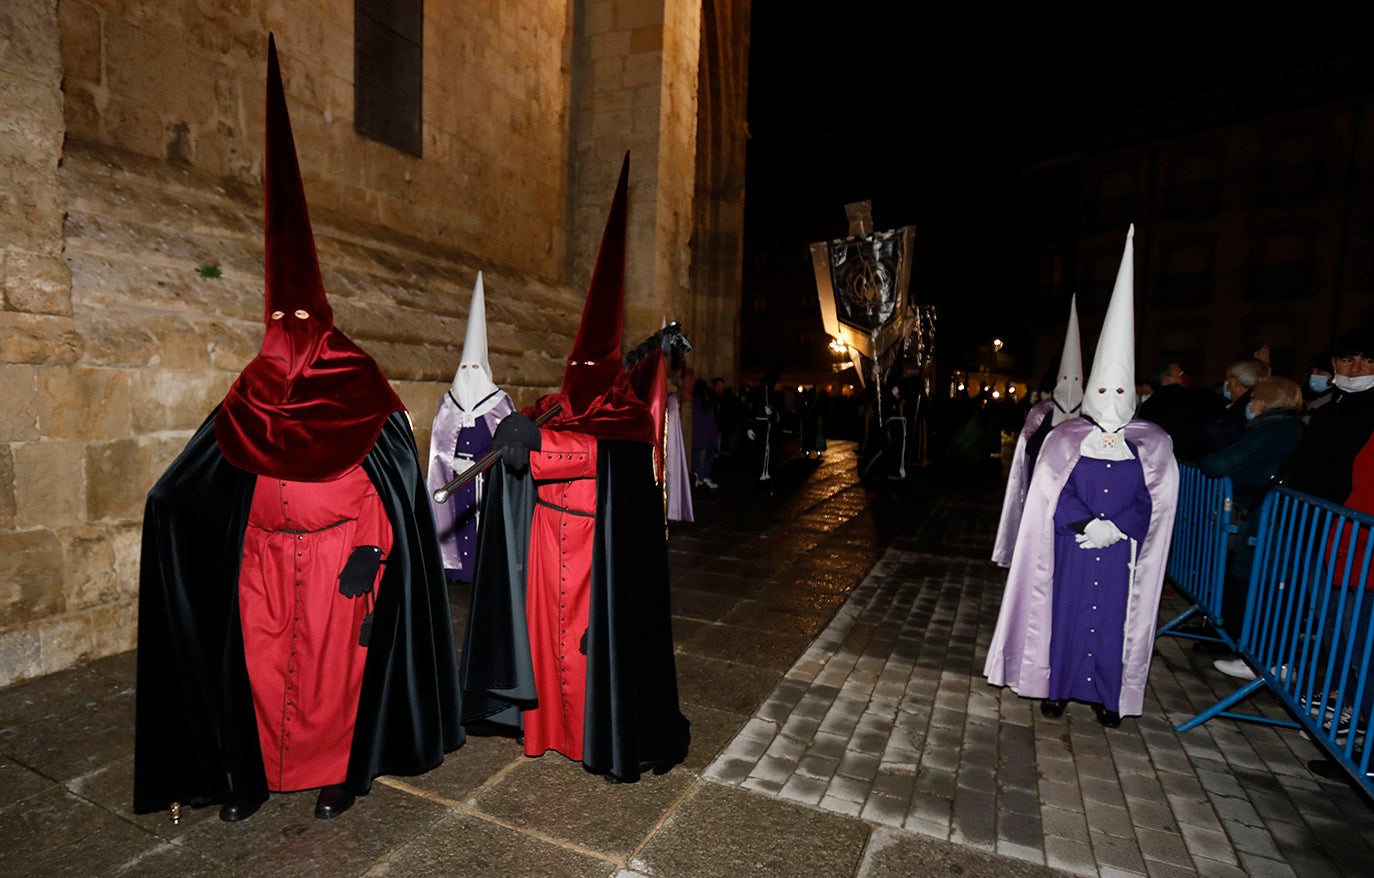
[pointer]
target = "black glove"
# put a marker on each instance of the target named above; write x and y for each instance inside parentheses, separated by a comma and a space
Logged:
(360, 572)
(515, 437)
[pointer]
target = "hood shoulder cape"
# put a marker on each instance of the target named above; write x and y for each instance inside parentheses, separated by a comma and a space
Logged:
(196, 739)
(1019, 654)
(1017, 481)
(633, 722)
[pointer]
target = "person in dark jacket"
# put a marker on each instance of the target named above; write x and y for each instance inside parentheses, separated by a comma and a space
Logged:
(1273, 429)
(1253, 462)
(1338, 430)
(705, 434)
(1225, 426)
(1179, 408)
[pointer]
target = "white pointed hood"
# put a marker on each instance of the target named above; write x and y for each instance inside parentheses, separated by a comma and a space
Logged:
(1109, 393)
(1068, 390)
(473, 388)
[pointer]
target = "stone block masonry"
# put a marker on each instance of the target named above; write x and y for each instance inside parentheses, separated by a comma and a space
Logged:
(161, 344)
(131, 240)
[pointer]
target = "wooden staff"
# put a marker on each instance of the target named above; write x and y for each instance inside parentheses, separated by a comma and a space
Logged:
(485, 461)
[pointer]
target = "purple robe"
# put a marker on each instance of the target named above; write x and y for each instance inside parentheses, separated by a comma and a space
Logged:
(452, 444)
(1017, 481)
(1046, 586)
(1092, 586)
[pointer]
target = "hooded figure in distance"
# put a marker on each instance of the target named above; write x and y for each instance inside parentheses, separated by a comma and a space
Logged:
(1078, 616)
(1044, 416)
(461, 434)
(294, 626)
(569, 639)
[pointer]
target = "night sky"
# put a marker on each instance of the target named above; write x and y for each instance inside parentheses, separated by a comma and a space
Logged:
(934, 114)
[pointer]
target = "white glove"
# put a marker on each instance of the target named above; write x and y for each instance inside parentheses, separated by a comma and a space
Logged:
(750, 434)
(1099, 534)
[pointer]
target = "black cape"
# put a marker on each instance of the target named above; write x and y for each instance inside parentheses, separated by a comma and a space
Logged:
(632, 722)
(196, 738)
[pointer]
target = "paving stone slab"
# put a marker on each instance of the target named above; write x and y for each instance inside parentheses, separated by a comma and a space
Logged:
(702, 606)
(75, 733)
(285, 838)
(468, 767)
(727, 832)
(18, 784)
(464, 845)
(57, 833)
(892, 854)
(559, 799)
(722, 685)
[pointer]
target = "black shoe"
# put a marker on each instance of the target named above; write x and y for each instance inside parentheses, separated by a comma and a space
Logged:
(235, 810)
(1108, 718)
(1053, 709)
(333, 801)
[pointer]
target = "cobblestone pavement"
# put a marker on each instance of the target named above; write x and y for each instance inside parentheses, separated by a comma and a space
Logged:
(828, 643)
(887, 717)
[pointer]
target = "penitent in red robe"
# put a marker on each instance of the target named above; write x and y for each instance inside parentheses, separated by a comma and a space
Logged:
(559, 589)
(300, 636)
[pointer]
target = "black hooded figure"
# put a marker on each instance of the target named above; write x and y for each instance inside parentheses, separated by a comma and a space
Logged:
(274, 632)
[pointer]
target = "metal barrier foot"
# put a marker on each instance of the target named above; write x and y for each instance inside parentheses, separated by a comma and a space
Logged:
(1223, 705)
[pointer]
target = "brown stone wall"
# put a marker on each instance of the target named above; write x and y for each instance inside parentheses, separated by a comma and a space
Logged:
(671, 252)
(44, 620)
(722, 133)
(145, 168)
(634, 88)
(183, 81)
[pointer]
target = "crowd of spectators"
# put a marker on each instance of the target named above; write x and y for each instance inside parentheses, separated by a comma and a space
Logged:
(1264, 430)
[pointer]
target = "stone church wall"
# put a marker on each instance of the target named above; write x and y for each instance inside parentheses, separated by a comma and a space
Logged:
(130, 167)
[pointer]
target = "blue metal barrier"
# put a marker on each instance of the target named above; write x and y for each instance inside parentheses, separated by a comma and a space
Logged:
(1197, 555)
(1307, 631)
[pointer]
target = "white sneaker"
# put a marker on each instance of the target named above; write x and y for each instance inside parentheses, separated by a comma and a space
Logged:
(708, 483)
(1234, 668)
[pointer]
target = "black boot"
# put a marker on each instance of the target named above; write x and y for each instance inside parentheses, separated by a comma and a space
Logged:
(1109, 718)
(333, 801)
(235, 810)
(1053, 709)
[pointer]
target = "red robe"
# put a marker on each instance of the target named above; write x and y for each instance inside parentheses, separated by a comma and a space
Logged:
(300, 636)
(558, 591)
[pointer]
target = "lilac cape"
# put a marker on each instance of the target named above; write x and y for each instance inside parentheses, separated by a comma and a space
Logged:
(1019, 656)
(677, 480)
(459, 515)
(1017, 481)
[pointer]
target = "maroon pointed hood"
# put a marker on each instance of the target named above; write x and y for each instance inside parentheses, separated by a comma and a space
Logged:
(312, 403)
(596, 397)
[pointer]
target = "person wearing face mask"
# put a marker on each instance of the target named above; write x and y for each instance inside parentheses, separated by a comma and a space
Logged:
(1063, 403)
(1078, 616)
(1225, 426)
(1272, 432)
(1317, 391)
(1338, 430)
(461, 433)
